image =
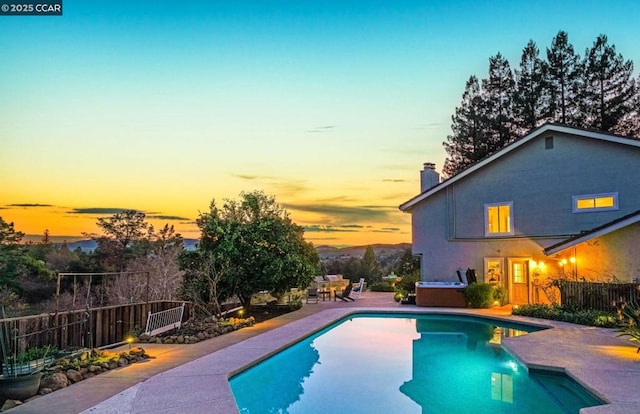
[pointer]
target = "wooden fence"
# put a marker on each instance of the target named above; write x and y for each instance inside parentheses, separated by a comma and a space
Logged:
(597, 296)
(80, 329)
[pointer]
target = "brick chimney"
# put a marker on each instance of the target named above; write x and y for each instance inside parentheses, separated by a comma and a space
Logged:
(428, 177)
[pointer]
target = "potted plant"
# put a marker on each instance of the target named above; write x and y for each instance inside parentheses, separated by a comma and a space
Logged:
(20, 378)
(29, 361)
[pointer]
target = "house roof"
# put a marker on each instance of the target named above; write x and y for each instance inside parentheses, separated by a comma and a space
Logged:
(593, 233)
(408, 205)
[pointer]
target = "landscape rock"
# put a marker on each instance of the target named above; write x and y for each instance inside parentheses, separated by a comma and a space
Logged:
(94, 368)
(74, 376)
(9, 404)
(55, 382)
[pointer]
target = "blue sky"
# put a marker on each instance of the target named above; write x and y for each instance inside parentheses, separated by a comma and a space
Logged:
(331, 106)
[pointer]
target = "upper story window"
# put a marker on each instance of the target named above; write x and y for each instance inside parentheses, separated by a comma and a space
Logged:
(595, 202)
(498, 218)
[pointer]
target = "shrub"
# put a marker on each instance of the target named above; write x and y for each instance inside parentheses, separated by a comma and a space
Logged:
(630, 324)
(500, 295)
(382, 287)
(408, 282)
(479, 295)
(568, 314)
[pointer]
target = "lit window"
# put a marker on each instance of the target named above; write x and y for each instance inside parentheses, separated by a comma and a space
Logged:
(518, 273)
(498, 219)
(595, 202)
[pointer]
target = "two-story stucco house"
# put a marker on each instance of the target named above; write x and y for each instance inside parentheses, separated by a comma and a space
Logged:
(559, 201)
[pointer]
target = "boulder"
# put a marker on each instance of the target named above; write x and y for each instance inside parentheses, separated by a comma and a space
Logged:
(74, 376)
(55, 382)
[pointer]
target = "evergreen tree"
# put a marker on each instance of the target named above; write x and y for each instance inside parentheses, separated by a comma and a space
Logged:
(609, 89)
(629, 124)
(531, 91)
(370, 268)
(497, 106)
(467, 143)
(563, 79)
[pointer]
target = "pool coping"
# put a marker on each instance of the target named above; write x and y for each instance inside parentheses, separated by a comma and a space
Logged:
(596, 358)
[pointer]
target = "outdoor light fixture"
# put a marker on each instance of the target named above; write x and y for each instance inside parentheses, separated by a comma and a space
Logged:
(129, 341)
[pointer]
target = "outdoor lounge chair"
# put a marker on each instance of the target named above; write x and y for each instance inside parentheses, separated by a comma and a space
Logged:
(344, 295)
(312, 293)
(471, 276)
(355, 292)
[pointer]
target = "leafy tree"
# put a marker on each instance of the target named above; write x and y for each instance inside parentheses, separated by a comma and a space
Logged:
(409, 271)
(257, 242)
(497, 92)
(121, 233)
(531, 91)
(609, 89)
(408, 263)
(468, 142)
(161, 262)
(563, 79)
(14, 258)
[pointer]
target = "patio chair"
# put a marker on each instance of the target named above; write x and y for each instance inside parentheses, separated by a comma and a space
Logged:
(312, 293)
(355, 292)
(344, 295)
(471, 276)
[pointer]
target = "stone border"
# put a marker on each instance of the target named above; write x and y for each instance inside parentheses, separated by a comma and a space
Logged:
(603, 363)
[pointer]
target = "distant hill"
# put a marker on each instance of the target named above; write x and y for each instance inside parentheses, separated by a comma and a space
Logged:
(380, 250)
(325, 252)
(90, 245)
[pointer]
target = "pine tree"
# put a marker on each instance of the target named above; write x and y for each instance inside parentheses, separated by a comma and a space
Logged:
(563, 78)
(609, 89)
(497, 107)
(531, 92)
(629, 124)
(467, 143)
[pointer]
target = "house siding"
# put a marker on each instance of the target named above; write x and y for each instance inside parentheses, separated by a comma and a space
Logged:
(612, 257)
(449, 225)
(541, 184)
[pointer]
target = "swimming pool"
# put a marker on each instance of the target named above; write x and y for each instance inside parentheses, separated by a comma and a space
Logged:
(404, 364)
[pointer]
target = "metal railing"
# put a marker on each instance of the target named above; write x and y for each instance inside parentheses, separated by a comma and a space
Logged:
(164, 321)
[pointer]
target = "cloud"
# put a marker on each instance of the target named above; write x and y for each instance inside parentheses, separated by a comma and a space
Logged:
(393, 180)
(290, 188)
(341, 215)
(351, 226)
(161, 217)
(98, 210)
(29, 205)
(321, 129)
(318, 228)
(249, 177)
(284, 187)
(427, 125)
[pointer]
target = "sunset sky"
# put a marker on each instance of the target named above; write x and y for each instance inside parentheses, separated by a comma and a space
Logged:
(330, 106)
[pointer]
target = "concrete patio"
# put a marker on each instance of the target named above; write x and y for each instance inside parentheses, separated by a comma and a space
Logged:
(194, 378)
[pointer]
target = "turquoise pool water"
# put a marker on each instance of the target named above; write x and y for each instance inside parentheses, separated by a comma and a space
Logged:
(405, 364)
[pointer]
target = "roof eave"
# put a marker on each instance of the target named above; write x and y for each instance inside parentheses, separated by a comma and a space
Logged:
(408, 205)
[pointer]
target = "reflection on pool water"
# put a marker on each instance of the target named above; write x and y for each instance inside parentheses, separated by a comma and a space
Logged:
(405, 364)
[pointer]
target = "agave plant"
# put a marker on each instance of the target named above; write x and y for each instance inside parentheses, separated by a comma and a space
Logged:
(630, 324)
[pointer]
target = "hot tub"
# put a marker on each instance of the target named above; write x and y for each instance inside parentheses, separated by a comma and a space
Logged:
(447, 294)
